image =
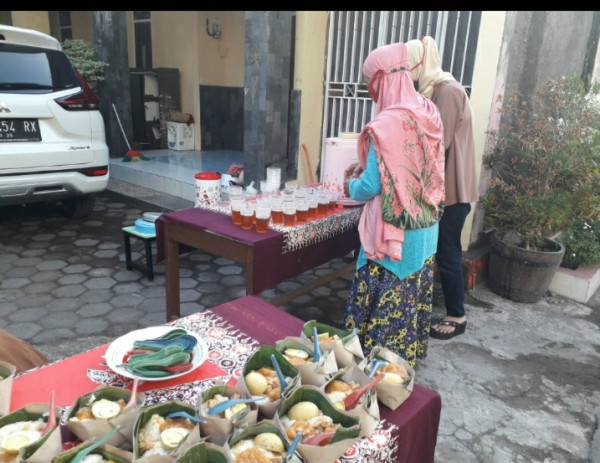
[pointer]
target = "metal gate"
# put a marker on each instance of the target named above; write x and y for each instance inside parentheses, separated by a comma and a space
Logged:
(353, 34)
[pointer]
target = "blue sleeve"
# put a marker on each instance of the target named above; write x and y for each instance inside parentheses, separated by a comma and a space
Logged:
(369, 183)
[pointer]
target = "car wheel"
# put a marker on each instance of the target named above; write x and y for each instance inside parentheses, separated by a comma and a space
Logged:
(81, 206)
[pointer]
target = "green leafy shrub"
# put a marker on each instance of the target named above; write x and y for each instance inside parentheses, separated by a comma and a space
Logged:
(82, 55)
(582, 244)
(545, 162)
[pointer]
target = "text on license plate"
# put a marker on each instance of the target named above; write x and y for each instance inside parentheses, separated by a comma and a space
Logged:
(19, 130)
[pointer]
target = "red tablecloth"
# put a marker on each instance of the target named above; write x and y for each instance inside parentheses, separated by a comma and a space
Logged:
(232, 331)
(272, 264)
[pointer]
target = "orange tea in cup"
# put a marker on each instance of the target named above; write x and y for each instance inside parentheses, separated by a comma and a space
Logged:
(263, 215)
(323, 207)
(301, 212)
(311, 214)
(236, 205)
(277, 217)
(276, 210)
(247, 222)
(247, 213)
(289, 214)
(332, 202)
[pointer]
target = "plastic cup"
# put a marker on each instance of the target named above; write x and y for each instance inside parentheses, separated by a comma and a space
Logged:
(333, 197)
(289, 213)
(274, 177)
(235, 192)
(263, 216)
(323, 207)
(236, 206)
(277, 210)
(247, 213)
(313, 205)
(301, 211)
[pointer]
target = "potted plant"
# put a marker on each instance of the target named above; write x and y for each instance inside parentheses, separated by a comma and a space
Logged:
(544, 177)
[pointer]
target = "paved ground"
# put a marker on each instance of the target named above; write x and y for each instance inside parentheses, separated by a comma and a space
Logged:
(520, 386)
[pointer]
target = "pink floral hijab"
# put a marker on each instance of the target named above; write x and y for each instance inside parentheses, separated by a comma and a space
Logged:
(407, 135)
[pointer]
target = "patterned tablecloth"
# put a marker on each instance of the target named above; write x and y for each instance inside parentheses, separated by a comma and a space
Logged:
(232, 331)
(314, 231)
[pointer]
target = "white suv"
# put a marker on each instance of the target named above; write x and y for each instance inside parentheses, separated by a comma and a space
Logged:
(52, 138)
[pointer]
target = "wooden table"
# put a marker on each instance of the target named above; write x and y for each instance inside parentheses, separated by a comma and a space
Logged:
(269, 258)
(232, 332)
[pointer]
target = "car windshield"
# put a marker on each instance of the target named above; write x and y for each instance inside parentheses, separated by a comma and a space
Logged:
(34, 69)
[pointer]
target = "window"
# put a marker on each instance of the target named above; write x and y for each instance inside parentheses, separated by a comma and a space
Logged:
(143, 39)
(64, 21)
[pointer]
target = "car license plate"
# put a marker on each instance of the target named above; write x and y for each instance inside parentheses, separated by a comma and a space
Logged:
(19, 130)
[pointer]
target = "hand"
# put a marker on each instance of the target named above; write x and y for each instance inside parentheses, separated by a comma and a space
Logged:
(353, 171)
(347, 187)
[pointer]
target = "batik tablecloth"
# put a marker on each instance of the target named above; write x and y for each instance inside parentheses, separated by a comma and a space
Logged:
(232, 332)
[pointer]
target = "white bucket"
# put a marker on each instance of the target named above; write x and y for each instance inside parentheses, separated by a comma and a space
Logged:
(208, 189)
(339, 154)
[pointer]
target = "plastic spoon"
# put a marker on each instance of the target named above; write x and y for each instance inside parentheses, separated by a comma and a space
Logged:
(183, 414)
(133, 398)
(292, 448)
(323, 438)
(51, 423)
(222, 406)
(94, 446)
(376, 366)
(316, 344)
(282, 380)
(352, 399)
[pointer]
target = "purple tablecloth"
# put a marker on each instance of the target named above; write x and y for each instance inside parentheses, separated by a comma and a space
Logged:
(272, 265)
(418, 417)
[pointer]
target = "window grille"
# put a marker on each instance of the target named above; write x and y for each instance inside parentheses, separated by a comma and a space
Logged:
(352, 35)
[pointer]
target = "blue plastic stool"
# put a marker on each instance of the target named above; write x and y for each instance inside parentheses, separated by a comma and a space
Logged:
(147, 238)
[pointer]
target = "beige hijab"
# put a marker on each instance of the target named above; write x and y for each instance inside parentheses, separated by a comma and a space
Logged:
(425, 65)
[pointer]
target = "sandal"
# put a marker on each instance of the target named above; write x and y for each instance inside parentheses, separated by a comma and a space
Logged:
(459, 328)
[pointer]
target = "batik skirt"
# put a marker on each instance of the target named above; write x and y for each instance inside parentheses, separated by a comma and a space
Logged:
(392, 313)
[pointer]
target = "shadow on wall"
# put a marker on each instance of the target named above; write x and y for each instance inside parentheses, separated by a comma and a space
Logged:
(222, 118)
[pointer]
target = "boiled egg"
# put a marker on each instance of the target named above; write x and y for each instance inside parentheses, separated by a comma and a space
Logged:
(256, 383)
(269, 441)
(13, 442)
(104, 409)
(172, 437)
(298, 353)
(303, 410)
(232, 411)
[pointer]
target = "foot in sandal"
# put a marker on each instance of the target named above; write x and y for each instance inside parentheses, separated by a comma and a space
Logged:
(448, 327)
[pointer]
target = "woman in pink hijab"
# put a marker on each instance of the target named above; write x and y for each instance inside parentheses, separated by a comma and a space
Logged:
(401, 157)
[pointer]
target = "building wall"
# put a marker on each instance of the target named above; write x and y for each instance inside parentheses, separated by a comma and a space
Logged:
(82, 24)
(309, 74)
(37, 20)
(483, 89)
(180, 40)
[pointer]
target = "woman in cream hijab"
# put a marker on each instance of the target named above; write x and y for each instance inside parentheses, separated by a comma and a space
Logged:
(460, 180)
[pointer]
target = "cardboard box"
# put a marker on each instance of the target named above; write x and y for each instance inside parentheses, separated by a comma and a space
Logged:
(180, 136)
